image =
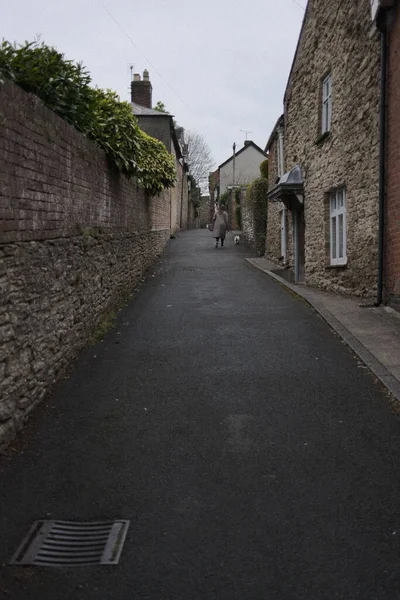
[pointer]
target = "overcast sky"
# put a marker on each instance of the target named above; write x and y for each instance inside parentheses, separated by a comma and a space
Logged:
(218, 65)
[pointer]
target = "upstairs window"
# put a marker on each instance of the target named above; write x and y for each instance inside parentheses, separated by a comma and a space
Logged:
(326, 103)
(337, 222)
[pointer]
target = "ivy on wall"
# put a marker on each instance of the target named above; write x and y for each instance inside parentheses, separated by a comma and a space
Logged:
(256, 200)
(64, 87)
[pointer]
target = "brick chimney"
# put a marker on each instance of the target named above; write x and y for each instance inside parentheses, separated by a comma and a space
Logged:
(141, 90)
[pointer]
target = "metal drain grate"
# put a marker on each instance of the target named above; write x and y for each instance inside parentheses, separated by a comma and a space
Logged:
(367, 305)
(71, 544)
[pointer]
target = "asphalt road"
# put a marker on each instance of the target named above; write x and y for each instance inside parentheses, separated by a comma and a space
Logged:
(254, 455)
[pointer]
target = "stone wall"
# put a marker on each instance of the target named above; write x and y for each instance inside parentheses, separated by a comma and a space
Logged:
(247, 220)
(392, 216)
(75, 237)
(204, 211)
(273, 239)
(337, 37)
(181, 194)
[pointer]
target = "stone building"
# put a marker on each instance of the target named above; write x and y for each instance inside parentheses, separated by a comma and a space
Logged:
(279, 226)
(331, 152)
(160, 125)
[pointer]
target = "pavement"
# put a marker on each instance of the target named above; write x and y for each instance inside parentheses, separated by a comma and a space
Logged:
(372, 332)
(254, 454)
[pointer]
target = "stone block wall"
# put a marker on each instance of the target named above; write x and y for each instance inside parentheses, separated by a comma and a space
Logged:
(339, 37)
(75, 237)
(204, 211)
(248, 225)
(273, 239)
(392, 216)
(180, 193)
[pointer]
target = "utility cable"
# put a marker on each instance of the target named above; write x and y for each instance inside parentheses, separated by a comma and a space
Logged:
(144, 56)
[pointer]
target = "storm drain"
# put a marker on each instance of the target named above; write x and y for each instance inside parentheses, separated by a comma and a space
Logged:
(71, 544)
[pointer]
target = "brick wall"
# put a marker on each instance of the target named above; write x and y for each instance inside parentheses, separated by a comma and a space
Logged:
(141, 91)
(75, 237)
(392, 217)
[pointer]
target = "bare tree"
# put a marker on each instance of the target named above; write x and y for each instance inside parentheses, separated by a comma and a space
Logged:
(199, 157)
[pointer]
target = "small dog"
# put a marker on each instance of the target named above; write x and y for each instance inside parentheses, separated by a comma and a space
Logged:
(237, 239)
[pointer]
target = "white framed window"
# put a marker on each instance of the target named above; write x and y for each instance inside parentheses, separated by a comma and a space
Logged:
(337, 227)
(326, 103)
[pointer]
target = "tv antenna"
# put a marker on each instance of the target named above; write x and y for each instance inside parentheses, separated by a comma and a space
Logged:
(246, 132)
(131, 67)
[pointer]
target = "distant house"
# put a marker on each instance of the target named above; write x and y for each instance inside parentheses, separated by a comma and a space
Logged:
(238, 170)
(160, 125)
(241, 168)
(324, 153)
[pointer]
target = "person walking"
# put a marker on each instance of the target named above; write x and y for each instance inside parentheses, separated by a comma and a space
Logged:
(220, 225)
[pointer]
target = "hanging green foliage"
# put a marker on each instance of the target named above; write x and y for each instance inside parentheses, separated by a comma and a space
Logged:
(64, 87)
(156, 165)
(224, 199)
(257, 203)
(264, 168)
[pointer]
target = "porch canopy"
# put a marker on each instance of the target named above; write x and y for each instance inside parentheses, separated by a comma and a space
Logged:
(289, 189)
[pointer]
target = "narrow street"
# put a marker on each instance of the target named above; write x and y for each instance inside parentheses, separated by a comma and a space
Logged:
(255, 457)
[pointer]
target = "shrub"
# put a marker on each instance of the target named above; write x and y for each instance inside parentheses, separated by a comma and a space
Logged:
(264, 168)
(156, 165)
(64, 87)
(257, 203)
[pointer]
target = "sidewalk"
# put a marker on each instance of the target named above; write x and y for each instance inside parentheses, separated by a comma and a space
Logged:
(373, 333)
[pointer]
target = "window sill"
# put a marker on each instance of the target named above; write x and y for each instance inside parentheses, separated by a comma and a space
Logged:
(325, 136)
(341, 265)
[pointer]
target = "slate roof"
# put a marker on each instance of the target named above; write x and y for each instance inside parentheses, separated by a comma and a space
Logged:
(139, 111)
(278, 124)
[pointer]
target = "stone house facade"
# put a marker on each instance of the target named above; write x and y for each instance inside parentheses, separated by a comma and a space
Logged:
(279, 247)
(160, 125)
(331, 152)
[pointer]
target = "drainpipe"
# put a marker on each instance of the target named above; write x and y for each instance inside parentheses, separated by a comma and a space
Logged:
(182, 180)
(281, 173)
(296, 245)
(382, 164)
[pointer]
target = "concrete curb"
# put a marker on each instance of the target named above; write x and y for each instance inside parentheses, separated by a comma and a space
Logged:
(379, 370)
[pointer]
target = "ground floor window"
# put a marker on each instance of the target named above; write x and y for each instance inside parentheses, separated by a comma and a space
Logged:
(337, 230)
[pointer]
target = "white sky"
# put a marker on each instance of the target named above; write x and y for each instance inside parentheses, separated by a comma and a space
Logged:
(228, 60)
